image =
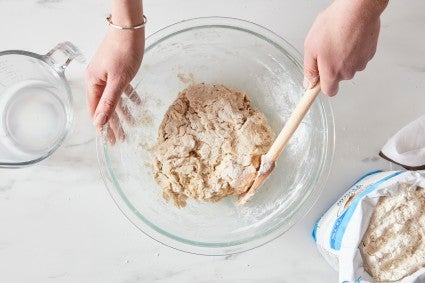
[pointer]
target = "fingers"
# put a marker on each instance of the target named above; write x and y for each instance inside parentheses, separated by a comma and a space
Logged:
(132, 94)
(104, 102)
(316, 70)
(124, 112)
(116, 127)
(94, 91)
(311, 71)
(110, 136)
(331, 88)
(329, 77)
(108, 102)
(114, 130)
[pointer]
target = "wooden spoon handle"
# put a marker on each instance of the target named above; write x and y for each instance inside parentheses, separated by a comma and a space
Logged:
(292, 124)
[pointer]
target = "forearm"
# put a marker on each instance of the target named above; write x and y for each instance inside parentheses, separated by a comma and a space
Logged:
(127, 12)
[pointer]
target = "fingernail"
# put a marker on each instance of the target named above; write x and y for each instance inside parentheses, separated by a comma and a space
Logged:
(306, 83)
(100, 119)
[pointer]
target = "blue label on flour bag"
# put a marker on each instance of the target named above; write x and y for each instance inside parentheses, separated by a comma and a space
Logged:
(316, 225)
(313, 234)
(342, 221)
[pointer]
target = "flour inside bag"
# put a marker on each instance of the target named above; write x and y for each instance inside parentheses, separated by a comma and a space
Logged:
(375, 231)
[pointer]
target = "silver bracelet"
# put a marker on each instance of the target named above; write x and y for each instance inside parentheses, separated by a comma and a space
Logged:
(110, 23)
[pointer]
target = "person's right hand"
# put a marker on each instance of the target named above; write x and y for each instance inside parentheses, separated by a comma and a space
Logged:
(341, 42)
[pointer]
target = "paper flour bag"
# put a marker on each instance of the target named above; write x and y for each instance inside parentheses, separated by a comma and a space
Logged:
(376, 231)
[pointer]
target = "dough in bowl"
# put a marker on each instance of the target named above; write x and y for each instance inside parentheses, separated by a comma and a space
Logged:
(209, 144)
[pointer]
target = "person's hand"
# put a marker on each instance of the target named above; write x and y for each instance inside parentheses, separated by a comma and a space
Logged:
(109, 73)
(341, 42)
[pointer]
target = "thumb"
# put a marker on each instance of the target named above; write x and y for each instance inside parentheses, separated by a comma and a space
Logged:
(108, 102)
(311, 71)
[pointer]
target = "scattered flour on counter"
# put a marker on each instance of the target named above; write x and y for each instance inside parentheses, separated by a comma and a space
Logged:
(209, 144)
(393, 246)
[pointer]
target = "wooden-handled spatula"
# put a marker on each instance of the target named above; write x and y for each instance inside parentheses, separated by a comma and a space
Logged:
(268, 160)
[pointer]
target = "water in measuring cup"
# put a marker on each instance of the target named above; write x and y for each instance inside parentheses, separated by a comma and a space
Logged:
(33, 119)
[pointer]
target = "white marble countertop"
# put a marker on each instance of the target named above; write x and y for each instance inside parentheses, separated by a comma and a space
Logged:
(57, 220)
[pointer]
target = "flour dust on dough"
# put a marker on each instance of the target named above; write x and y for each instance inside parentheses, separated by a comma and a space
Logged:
(209, 144)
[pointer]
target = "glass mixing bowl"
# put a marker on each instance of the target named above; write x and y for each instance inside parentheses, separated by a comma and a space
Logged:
(245, 57)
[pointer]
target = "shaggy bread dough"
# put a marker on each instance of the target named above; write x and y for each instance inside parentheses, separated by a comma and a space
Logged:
(394, 244)
(209, 144)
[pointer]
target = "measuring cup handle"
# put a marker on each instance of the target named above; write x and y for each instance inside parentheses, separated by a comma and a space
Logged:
(63, 54)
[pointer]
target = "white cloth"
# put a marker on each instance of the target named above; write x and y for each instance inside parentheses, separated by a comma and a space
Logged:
(407, 146)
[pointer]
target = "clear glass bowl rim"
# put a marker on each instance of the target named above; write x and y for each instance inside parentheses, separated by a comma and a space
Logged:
(249, 243)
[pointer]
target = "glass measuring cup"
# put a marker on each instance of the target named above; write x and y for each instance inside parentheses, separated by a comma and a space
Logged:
(35, 103)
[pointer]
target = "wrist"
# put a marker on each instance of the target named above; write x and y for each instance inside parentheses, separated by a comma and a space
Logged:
(127, 12)
(370, 8)
(380, 5)
(359, 12)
